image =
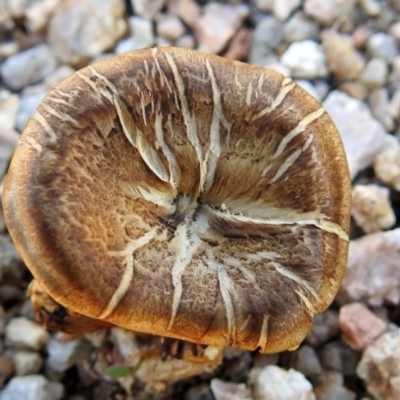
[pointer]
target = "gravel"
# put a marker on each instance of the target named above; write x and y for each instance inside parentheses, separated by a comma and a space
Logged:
(346, 53)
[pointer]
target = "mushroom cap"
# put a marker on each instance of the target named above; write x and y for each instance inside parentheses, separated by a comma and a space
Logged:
(184, 195)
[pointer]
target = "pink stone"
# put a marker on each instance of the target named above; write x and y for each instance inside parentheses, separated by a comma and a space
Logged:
(359, 325)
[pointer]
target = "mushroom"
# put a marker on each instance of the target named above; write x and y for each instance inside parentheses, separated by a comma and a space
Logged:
(183, 195)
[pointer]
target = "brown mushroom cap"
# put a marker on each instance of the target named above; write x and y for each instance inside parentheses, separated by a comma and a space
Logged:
(184, 195)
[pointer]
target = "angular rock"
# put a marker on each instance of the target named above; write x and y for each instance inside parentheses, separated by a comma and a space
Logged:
(305, 59)
(83, 29)
(359, 325)
(371, 208)
(362, 135)
(373, 270)
(379, 367)
(28, 67)
(275, 383)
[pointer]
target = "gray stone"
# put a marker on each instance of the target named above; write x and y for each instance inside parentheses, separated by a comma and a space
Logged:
(364, 281)
(371, 8)
(28, 67)
(299, 28)
(32, 387)
(266, 37)
(325, 327)
(24, 333)
(10, 260)
(382, 45)
(379, 367)
(305, 60)
(362, 135)
(339, 357)
(307, 361)
(38, 12)
(375, 73)
(30, 98)
(83, 29)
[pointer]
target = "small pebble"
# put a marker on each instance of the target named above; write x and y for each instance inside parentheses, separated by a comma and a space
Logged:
(26, 362)
(229, 391)
(147, 9)
(299, 28)
(83, 29)
(359, 325)
(266, 37)
(6, 370)
(383, 46)
(307, 361)
(379, 367)
(275, 383)
(354, 89)
(387, 162)
(374, 74)
(141, 35)
(37, 14)
(363, 281)
(218, 25)
(305, 60)
(339, 357)
(64, 354)
(362, 135)
(8, 143)
(32, 387)
(344, 61)
(325, 327)
(284, 8)
(325, 12)
(379, 103)
(28, 67)
(371, 8)
(371, 208)
(187, 10)
(170, 27)
(24, 333)
(333, 391)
